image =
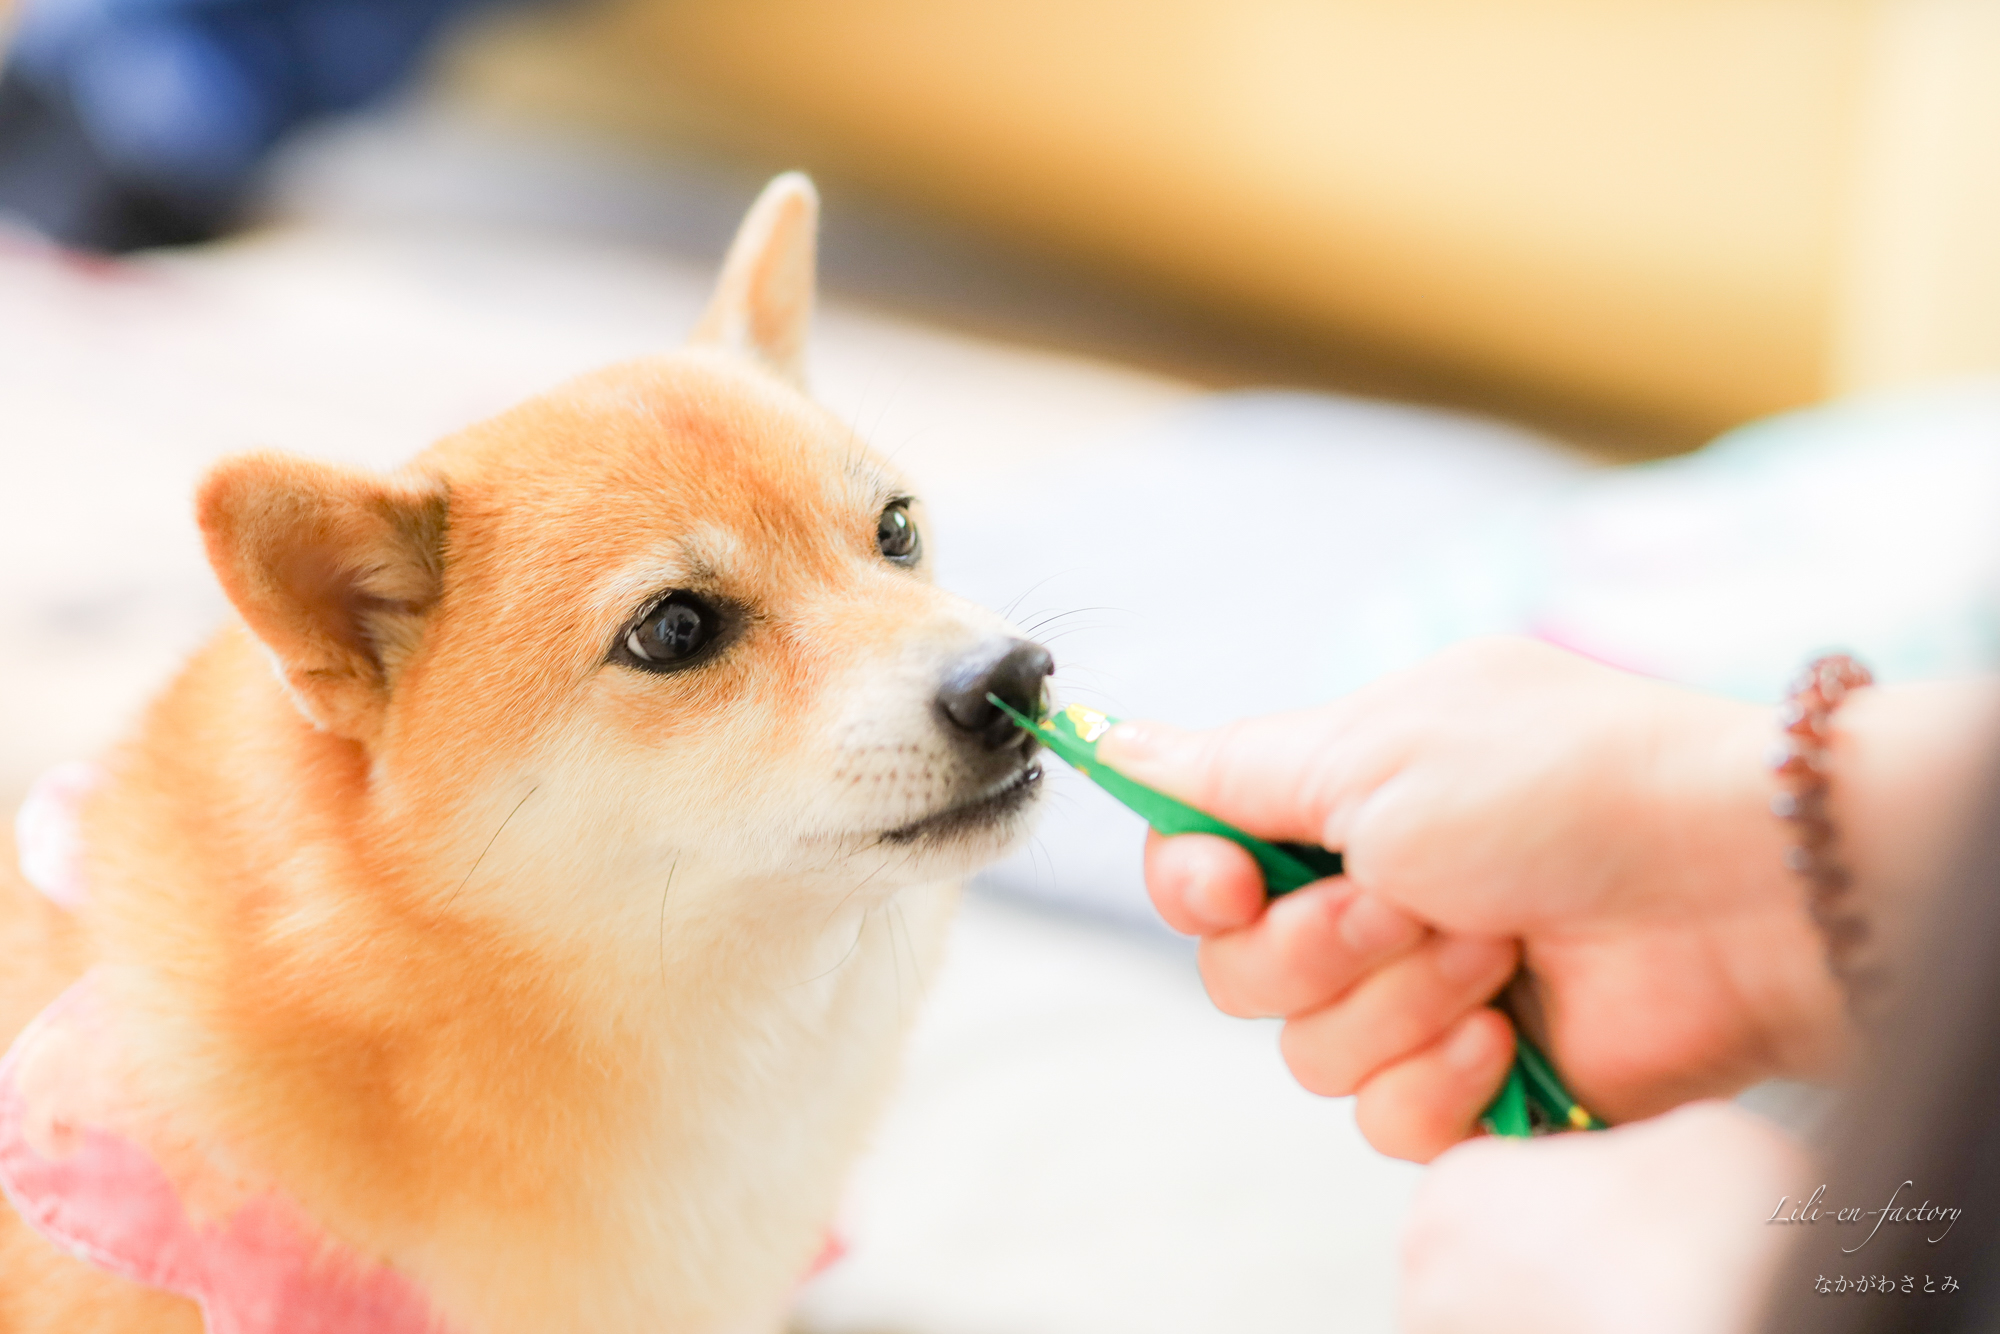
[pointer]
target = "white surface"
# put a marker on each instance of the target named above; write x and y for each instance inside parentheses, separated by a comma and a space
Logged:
(1083, 1145)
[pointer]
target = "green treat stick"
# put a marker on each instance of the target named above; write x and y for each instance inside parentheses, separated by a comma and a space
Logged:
(1558, 1109)
(1532, 1092)
(1073, 732)
(1509, 1113)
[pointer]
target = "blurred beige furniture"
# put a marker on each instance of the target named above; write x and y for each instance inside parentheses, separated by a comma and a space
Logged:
(1697, 209)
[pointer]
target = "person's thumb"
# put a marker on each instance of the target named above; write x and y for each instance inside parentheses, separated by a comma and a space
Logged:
(1267, 776)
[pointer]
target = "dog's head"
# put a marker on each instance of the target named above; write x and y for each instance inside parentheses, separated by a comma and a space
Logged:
(669, 619)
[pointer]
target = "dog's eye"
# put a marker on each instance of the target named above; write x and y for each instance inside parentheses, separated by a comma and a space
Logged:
(678, 627)
(896, 534)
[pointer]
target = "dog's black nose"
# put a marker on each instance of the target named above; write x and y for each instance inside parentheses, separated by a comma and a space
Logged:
(1013, 670)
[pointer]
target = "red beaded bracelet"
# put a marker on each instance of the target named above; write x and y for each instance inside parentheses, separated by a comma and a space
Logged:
(1801, 759)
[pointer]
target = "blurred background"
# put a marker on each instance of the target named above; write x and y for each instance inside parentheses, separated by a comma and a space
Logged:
(1358, 326)
(1649, 221)
(1681, 212)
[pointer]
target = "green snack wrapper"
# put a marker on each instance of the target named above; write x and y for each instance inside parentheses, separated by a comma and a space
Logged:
(1532, 1101)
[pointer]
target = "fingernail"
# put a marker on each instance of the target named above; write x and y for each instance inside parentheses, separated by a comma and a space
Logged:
(1464, 958)
(1133, 743)
(1467, 1048)
(1370, 926)
(1129, 741)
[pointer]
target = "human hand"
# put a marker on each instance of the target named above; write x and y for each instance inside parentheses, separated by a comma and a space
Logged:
(1502, 792)
(1511, 1235)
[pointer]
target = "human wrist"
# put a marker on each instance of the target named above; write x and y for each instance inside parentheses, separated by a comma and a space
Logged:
(1726, 863)
(1895, 776)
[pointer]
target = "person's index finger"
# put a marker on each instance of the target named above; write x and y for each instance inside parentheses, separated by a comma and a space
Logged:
(1268, 776)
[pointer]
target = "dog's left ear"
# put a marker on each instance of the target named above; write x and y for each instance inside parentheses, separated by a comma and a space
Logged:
(333, 569)
(763, 302)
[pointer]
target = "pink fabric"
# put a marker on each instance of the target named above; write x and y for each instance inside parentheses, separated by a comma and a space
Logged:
(830, 1252)
(92, 1176)
(127, 1188)
(46, 833)
(1572, 641)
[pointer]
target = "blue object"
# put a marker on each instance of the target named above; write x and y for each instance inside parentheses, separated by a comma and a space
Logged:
(132, 122)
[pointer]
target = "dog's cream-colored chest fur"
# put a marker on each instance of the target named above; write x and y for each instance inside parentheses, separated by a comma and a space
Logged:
(736, 1177)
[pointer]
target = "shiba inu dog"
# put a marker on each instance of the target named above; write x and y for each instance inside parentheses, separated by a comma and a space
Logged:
(511, 923)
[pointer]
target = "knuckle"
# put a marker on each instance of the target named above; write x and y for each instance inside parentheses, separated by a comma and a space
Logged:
(1234, 1006)
(1386, 849)
(1225, 992)
(1298, 950)
(1236, 969)
(1395, 1128)
(1317, 1063)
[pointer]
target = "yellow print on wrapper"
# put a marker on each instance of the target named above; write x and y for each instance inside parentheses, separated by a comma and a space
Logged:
(1088, 724)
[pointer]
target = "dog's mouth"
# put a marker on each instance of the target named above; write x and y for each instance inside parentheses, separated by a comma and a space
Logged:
(990, 807)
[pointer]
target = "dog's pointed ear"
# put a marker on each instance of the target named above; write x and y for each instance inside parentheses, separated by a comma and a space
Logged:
(333, 569)
(764, 300)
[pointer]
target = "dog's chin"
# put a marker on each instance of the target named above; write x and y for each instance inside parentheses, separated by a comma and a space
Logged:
(979, 829)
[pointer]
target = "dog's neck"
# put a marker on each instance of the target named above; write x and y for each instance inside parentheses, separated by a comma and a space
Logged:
(570, 1133)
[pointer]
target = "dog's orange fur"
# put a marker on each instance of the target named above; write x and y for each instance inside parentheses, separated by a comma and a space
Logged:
(566, 988)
